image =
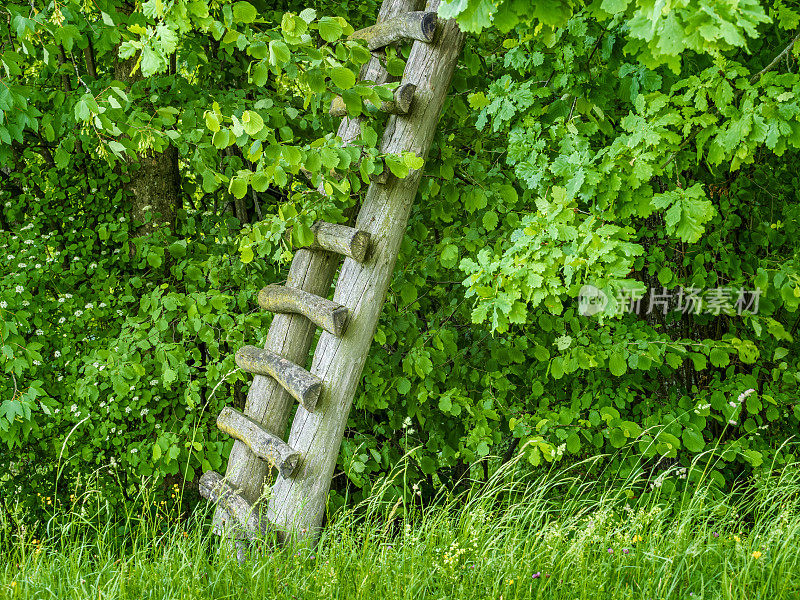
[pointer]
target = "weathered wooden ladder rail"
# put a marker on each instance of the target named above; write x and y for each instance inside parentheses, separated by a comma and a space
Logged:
(305, 462)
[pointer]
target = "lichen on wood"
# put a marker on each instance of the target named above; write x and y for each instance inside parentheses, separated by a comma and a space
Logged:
(301, 385)
(219, 491)
(263, 444)
(340, 239)
(332, 317)
(417, 25)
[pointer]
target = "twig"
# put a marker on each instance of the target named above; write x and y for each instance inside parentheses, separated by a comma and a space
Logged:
(78, 75)
(257, 205)
(775, 60)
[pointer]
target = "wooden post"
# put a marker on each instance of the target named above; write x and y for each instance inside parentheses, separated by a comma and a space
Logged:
(297, 504)
(291, 335)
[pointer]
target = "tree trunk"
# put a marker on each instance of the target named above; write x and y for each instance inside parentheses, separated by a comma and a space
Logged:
(297, 505)
(155, 185)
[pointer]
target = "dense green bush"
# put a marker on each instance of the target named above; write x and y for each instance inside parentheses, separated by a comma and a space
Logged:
(574, 149)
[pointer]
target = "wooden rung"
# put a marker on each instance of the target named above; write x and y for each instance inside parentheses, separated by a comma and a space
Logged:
(302, 385)
(330, 316)
(263, 444)
(219, 491)
(400, 105)
(341, 239)
(418, 25)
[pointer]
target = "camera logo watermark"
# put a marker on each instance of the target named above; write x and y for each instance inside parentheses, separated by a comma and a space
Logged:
(697, 301)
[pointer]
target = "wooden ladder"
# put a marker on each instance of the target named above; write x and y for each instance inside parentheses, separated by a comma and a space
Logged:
(305, 462)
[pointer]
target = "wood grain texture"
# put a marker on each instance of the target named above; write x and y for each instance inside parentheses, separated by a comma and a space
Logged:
(227, 497)
(332, 317)
(298, 504)
(263, 444)
(341, 239)
(301, 385)
(399, 105)
(291, 336)
(418, 25)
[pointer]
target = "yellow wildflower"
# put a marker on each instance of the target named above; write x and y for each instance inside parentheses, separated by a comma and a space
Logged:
(756, 554)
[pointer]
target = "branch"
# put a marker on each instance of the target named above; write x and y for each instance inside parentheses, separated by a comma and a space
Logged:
(48, 157)
(88, 54)
(775, 60)
(78, 75)
(753, 79)
(62, 59)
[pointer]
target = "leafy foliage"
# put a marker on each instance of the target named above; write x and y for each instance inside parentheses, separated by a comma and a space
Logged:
(625, 144)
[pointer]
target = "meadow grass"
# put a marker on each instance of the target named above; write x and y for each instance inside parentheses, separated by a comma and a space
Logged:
(554, 535)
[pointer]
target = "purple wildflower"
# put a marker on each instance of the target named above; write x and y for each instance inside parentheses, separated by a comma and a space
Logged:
(611, 551)
(537, 575)
(625, 550)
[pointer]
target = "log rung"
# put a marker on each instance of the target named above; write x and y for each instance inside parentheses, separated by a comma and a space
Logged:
(399, 105)
(263, 444)
(417, 25)
(215, 489)
(332, 317)
(341, 239)
(301, 385)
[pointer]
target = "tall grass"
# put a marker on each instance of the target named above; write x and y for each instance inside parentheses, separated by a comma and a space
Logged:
(550, 535)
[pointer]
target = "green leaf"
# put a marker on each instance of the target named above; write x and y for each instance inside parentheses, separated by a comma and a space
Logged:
(154, 260)
(244, 12)
(449, 256)
(617, 364)
(238, 187)
(308, 15)
(397, 166)
(408, 292)
(614, 6)
(693, 440)
(719, 357)
(573, 443)
(617, 438)
(403, 385)
(279, 53)
(688, 211)
(212, 121)
(260, 181)
(157, 452)
(252, 122)
(490, 220)
(247, 254)
(82, 112)
(177, 249)
(343, 77)
(359, 54)
(330, 29)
